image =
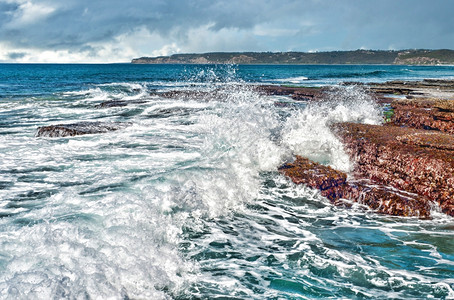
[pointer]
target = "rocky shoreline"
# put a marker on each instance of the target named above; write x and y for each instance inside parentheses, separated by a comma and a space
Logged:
(404, 167)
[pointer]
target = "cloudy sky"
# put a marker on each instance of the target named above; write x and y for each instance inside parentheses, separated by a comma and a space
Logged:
(119, 30)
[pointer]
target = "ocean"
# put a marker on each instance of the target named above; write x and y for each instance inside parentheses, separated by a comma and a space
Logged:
(185, 202)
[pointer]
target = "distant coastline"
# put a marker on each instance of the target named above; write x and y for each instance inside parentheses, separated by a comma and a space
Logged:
(387, 57)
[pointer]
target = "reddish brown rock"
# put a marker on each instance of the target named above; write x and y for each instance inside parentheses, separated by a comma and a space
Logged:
(296, 93)
(333, 185)
(428, 104)
(414, 152)
(424, 114)
(315, 175)
(408, 159)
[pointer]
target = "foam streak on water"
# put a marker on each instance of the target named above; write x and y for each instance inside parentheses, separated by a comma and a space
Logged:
(186, 202)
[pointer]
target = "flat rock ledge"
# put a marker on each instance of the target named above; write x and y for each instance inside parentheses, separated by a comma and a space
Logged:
(296, 93)
(80, 128)
(404, 167)
(333, 184)
(425, 113)
(413, 160)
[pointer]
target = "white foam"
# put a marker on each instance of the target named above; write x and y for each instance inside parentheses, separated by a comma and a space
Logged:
(298, 79)
(308, 131)
(112, 91)
(114, 208)
(110, 248)
(236, 148)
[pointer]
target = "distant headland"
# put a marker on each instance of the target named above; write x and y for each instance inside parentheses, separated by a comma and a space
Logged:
(390, 57)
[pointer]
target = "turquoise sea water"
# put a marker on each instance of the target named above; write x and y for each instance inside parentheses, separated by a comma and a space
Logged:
(186, 203)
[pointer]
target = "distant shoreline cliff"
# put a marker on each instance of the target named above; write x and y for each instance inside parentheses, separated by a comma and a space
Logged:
(402, 57)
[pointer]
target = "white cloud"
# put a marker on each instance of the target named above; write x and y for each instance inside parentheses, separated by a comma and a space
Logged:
(29, 13)
(118, 30)
(167, 50)
(204, 39)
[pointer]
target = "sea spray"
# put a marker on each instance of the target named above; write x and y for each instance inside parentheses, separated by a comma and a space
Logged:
(240, 144)
(186, 203)
(237, 146)
(235, 138)
(307, 132)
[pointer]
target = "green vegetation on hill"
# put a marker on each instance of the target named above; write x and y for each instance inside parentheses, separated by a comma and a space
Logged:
(420, 57)
(423, 57)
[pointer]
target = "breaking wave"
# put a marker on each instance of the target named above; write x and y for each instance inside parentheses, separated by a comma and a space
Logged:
(186, 203)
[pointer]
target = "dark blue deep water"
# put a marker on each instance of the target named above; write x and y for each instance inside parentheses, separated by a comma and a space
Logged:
(184, 202)
(32, 79)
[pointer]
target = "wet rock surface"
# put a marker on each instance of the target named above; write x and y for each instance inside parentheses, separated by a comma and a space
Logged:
(80, 128)
(424, 88)
(172, 111)
(427, 89)
(430, 114)
(302, 170)
(401, 167)
(118, 103)
(185, 95)
(333, 185)
(296, 93)
(408, 159)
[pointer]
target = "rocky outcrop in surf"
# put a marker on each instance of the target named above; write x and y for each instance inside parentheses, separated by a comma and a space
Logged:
(185, 95)
(401, 167)
(80, 128)
(333, 184)
(118, 103)
(296, 93)
(409, 159)
(431, 114)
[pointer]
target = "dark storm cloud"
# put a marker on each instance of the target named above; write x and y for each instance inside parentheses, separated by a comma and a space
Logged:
(74, 25)
(16, 55)
(404, 24)
(6, 9)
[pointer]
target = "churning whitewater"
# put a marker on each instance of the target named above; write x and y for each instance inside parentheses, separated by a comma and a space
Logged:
(185, 201)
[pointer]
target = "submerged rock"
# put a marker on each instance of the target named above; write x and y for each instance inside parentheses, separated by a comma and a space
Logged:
(185, 95)
(173, 111)
(118, 103)
(333, 184)
(81, 128)
(408, 159)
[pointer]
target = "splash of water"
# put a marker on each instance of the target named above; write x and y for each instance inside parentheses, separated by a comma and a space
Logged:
(108, 215)
(308, 133)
